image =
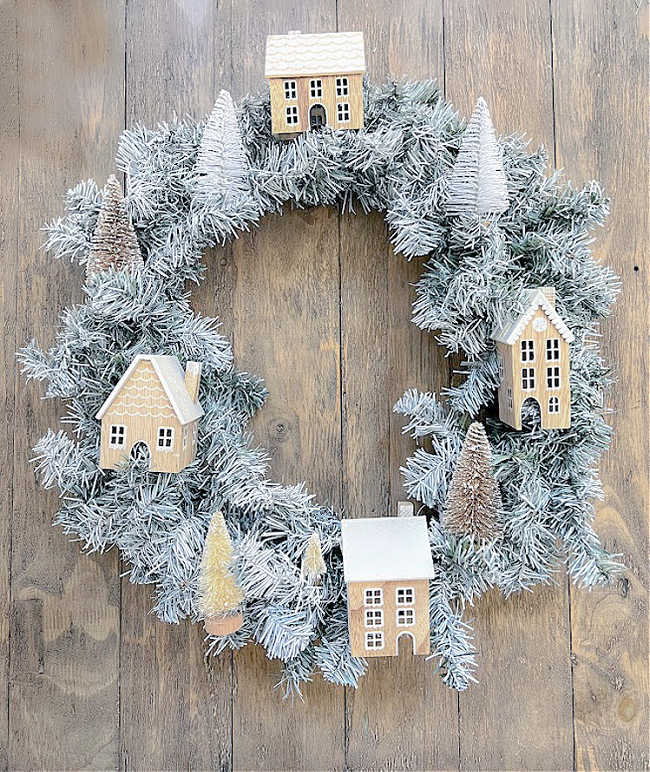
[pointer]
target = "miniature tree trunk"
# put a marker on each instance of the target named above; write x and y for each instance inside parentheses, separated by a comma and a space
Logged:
(473, 504)
(114, 243)
(313, 565)
(477, 184)
(220, 597)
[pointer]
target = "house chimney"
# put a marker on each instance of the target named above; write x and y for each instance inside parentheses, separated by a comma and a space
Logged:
(404, 509)
(193, 379)
(549, 292)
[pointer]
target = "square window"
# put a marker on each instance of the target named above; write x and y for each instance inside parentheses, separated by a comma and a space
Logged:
(374, 617)
(552, 377)
(343, 112)
(373, 597)
(509, 394)
(527, 350)
(552, 349)
(316, 88)
(527, 378)
(292, 115)
(405, 596)
(553, 405)
(405, 617)
(374, 641)
(290, 90)
(117, 436)
(501, 368)
(342, 87)
(165, 438)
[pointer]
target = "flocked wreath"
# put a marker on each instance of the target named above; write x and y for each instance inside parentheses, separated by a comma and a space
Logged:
(476, 271)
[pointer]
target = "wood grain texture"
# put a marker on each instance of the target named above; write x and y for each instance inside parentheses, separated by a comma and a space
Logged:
(523, 642)
(601, 75)
(174, 712)
(63, 108)
(64, 622)
(9, 229)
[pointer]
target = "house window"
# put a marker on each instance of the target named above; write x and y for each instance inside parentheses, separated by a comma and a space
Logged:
(527, 350)
(117, 436)
(316, 88)
(404, 595)
(527, 378)
(405, 617)
(343, 112)
(553, 377)
(184, 437)
(165, 438)
(540, 324)
(374, 617)
(374, 641)
(509, 394)
(552, 349)
(500, 368)
(373, 597)
(292, 115)
(342, 87)
(290, 90)
(553, 405)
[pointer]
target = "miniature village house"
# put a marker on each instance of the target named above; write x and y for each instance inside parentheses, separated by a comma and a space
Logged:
(387, 566)
(315, 80)
(533, 350)
(154, 403)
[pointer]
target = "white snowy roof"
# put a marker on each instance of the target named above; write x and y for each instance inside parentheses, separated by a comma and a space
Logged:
(330, 53)
(385, 549)
(172, 378)
(532, 300)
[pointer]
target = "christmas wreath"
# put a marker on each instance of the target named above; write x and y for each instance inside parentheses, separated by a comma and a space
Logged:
(192, 185)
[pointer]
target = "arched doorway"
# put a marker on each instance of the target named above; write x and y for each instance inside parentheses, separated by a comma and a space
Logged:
(531, 412)
(403, 645)
(141, 455)
(317, 116)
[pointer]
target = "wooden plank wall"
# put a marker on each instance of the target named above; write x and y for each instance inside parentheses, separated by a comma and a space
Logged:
(91, 679)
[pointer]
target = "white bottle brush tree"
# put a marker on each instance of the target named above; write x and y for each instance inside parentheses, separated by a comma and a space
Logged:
(220, 596)
(477, 184)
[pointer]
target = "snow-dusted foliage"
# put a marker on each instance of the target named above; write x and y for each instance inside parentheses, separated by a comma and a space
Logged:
(475, 272)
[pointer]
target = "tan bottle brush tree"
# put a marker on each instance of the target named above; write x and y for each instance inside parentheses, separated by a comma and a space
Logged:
(220, 596)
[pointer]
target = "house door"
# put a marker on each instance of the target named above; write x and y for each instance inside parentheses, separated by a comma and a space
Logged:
(406, 643)
(317, 116)
(141, 454)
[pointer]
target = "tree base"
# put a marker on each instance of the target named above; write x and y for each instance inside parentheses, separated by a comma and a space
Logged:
(223, 625)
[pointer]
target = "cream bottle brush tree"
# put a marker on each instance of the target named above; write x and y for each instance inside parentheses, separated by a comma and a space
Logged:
(220, 596)
(313, 565)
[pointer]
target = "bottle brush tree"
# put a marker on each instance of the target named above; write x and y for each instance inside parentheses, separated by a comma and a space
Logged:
(313, 565)
(220, 596)
(114, 243)
(477, 184)
(473, 506)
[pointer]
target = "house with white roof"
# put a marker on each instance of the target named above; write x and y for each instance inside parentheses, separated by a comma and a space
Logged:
(387, 566)
(533, 351)
(156, 404)
(315, 80)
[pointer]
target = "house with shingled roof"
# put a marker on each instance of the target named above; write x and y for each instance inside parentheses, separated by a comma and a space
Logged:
(155, 404)
(533, 351)
(315, 80)
(387, 566)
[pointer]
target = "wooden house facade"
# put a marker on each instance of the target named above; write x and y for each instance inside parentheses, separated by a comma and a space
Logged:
(154, 403)
(533, 351)
(387, 566)
(315, 80)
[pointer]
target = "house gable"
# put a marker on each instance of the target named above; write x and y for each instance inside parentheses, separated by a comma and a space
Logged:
(512, 331)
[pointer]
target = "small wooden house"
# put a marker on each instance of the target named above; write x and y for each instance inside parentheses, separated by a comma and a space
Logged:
(387, 566)
(315, 80)
(154, 403)
(533, 350)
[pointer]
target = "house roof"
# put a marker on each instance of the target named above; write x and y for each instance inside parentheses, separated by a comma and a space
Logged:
(386, 549)
(330, 53)
(532, 299)
(172, 379)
